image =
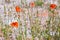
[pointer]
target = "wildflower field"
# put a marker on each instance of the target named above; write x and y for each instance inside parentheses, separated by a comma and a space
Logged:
(29, 19)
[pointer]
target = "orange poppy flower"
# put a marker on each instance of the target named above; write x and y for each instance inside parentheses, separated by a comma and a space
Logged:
(53, 6)
(18, 9)
(14, 24)
(32, 4)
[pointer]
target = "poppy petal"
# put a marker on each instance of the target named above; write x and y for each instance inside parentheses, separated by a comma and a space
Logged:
(18, 9)
(53, 6)
(14, 24)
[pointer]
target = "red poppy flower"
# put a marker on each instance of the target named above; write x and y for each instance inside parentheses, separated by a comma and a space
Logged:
(18, 9)
(32, 4)
(14, 24)
(53, 6)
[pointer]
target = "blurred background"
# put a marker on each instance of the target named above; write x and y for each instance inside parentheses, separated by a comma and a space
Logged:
(29, 19)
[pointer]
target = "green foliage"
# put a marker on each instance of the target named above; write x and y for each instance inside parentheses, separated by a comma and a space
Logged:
(38, 3)
(19, 37)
